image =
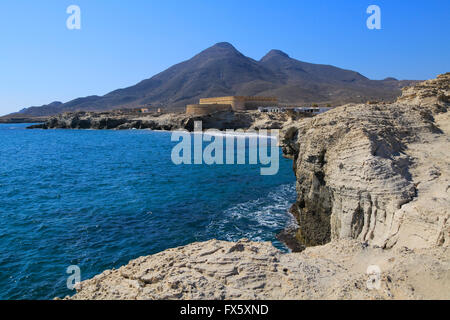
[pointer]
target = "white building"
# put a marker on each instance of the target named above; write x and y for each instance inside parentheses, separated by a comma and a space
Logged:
(271, 109)
(312, 110)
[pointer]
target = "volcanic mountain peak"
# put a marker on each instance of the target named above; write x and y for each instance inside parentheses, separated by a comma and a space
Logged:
(219, 50)
(224, 45)
(274, 53)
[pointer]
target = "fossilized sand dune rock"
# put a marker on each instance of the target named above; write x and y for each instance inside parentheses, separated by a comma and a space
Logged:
(250, 270)
(359, 171)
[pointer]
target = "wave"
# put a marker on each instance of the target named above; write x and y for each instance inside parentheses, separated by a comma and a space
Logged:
(256, 219)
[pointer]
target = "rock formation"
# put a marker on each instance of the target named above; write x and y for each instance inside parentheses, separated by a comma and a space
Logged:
(251, 270)
(169, 121)
(373, 190)
(357, 171)
(434, 93)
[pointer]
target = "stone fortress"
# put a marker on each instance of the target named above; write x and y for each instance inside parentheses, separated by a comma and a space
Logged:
(232, 103)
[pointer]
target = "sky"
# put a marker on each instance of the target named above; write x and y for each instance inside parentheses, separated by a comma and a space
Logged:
(123, 42)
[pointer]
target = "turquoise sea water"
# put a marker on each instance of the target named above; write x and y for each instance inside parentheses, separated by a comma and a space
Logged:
(98, 199)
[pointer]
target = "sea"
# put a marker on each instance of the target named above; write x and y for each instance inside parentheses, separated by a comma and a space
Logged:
(96, 199)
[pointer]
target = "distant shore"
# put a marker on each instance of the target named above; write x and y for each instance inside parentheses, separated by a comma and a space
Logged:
(247, 120)
(8, 119)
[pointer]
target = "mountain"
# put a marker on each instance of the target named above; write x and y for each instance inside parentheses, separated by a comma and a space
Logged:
(222, 70)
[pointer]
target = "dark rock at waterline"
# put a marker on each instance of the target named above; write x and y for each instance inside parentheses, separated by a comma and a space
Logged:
(38, 126)
(289, 237)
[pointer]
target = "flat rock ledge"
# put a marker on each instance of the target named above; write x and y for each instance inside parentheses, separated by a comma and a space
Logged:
(217, 270)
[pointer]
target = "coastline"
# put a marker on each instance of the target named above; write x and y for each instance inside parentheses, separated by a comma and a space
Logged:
(242, 120)
(116, 178)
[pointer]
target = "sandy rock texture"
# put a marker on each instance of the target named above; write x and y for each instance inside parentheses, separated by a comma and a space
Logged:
(434, 93)
(377, 173)
(251, 270)
(373, 197)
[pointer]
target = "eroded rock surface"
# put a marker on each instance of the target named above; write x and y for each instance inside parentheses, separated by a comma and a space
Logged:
(251, 270)
(434, 93)
(359, 171)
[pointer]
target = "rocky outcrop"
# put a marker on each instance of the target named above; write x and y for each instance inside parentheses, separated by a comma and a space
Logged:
(354, 170)
(170, 121)
(434, 93)
(251, 270)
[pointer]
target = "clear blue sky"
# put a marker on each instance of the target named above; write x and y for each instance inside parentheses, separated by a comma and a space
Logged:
(123, 42)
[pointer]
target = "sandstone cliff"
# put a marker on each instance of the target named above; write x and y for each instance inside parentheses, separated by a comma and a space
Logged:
(373, 189)
(434, 93)
(361, 168)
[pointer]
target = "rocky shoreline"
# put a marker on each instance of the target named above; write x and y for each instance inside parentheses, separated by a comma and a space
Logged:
(170, 121)
(373, 186)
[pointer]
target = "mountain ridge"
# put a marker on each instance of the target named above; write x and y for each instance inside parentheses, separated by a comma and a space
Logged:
(221, 70)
